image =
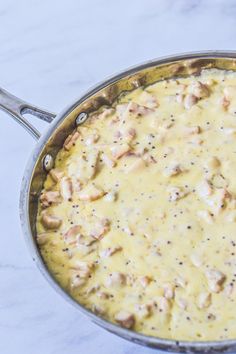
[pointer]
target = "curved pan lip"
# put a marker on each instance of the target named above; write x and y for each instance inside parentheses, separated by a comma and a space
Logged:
(168, 344)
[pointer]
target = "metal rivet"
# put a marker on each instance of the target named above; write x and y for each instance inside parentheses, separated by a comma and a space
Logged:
(81, 118)
(48, 162)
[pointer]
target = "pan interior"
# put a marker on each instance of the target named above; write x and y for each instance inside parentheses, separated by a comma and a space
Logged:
(105, 95)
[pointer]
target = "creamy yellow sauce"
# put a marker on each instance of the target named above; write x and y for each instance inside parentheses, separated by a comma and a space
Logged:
(137, 221)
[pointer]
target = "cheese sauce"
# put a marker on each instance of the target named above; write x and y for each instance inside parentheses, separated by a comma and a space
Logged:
(137, 221)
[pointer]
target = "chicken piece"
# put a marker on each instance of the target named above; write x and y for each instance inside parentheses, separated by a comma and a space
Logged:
(229, 289)
(145, 280)
(135, 165)
(66, 188)
(128, 135)
(135, 108)
(51, 221)
(196, 260)
(98, 309)
(42, 238)
(92, 139)
(192, 130)
(164, 304)
(76, 281)
(180, 281)
(182, 303)
(217, 201)
(71, 236)
(101, 227)
(230, 92)
(91, 193)
(212, 163)
(115, 279)
(108, 252)
(143, 311)
(56, 174)
(169, 291)
(215, 280)
(204, 189)
(206, 216)
(225, 103)
(103, 295)
(107, 112)
(199, 90)
(176, 193)
(111, 196)
(173, 169)
(125, 319)
(109, 162)
(148, 100)
(189, 101)
(83, 269)
(119, 150)
(204, 300)
(84, 168)
(71, 140)
(49, 198)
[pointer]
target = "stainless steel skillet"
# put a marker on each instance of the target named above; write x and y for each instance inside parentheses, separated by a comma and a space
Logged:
(62, 124)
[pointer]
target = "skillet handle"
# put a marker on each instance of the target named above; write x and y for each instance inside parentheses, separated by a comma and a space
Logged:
(17, 108)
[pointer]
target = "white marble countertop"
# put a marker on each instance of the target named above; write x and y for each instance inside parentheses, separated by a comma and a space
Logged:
(50, 52)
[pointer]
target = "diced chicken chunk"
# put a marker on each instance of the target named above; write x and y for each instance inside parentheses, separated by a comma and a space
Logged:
(125, 319)
(66, 188)
(163, 304)
(176, 193)
(148, 100)
(173, 169)
(91, 193)
(111, 196)
(138, 110)
(206, 216)
(83, 269)
(145, 280)
(51, 221)
(101, 227)
(107, 112)
(48, 198)
(98, 309)
(215, 280)
(143, 311)
(189, 101)
(169, 292)
(204, 189)
(116, 279)
(204, 300)
(92, 139)
(42, 238)
(71, 140)
(196, 260)
(182, 303)
(199, 90)
(71, 235)
(119, 150)
(192, 130)
(76, 281)
(56, 174)
(110, 251)
(109, 162)
(135, 165)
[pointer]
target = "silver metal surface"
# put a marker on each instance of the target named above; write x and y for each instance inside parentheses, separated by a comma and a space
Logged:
(17, 108)
(81, 118)
(105, 93)
(48, 162)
